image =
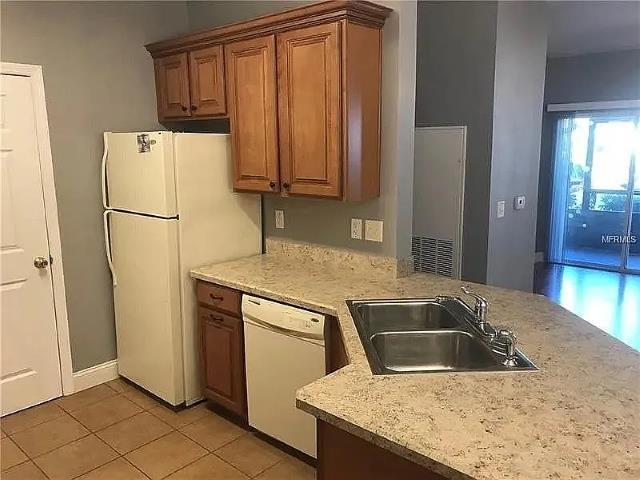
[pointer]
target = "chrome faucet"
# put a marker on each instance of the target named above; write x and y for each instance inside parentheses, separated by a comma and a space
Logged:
(480, 310)
(500, 340)
(509, 338)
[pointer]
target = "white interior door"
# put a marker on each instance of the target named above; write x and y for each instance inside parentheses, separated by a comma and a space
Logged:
(30, 363)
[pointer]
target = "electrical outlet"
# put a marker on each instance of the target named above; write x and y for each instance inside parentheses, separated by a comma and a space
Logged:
(356, 228)
(279, 218)
(519, 202)
(501, 206)
(373, 230)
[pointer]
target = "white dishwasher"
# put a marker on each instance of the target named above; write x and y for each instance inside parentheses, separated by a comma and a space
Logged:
(284, 350)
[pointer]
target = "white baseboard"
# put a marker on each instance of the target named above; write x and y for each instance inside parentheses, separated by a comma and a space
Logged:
(539, 257)
(92, 376)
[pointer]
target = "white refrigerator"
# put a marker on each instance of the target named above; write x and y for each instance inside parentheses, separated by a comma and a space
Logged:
(169, 207)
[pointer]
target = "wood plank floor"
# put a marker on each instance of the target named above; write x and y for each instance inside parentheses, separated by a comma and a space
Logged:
(608, 300)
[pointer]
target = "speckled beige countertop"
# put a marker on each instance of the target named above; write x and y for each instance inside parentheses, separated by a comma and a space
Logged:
(578, 417)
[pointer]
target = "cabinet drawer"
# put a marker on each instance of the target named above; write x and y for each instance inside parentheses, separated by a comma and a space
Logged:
(219, 318)
(220, 298)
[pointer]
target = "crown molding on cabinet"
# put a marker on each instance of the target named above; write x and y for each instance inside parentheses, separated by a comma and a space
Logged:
(361, 12)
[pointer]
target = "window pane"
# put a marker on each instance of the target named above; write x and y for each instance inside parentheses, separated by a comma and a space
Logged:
(613, 144)
(636, 181)
(608, 202)
(579, 147)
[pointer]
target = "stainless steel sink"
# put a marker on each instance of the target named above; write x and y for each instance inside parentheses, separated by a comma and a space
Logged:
(404, 315)
(428, 335)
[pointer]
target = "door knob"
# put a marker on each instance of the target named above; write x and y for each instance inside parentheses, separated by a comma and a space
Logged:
(40, 262)
(285, 185)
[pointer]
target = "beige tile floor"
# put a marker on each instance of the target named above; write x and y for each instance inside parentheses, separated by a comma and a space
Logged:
(115, 432)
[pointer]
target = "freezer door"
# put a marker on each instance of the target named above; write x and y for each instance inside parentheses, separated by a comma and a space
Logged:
(140, 174)
(147, 303)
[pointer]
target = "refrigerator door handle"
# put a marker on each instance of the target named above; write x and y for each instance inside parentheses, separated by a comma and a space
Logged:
(107, 245)
(103, 169)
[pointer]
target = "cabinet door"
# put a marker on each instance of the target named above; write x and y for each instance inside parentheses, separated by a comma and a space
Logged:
(206, 75)
(223, 360)
(172, 86)
(309, 92)
(251, 94)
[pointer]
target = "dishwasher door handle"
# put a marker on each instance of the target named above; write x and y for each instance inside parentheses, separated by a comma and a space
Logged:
(278, 329)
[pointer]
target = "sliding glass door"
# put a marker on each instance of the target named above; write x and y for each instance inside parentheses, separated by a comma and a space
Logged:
(633, 259)
(596, 191)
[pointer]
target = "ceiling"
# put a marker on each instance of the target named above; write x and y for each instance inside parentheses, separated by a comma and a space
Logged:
(578, 27)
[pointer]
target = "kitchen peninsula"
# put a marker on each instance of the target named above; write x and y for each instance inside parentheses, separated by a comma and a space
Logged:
(576, 417)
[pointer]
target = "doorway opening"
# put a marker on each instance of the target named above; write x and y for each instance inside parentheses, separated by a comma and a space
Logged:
(595, 216)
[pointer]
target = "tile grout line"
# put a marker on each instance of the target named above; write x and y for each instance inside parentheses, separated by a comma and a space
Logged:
(213, 452)
(272, 466)
(148, 409)
(62, 410)
(55, 401)
(129, 462)
(60, 446)
(188, 464)
(107, 426)
(90, 432)
(28, 458)
(102, 464)
(245, 474)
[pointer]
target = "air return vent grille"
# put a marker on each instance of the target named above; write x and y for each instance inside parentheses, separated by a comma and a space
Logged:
(433, 255)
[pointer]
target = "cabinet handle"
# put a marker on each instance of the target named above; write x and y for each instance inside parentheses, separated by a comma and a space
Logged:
(194, 107)
(215, 298)
(216, 319)
(184, 109)
(272, 185)
(285, 185)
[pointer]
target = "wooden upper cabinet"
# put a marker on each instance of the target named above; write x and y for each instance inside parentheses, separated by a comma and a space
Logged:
(305, 116)
(206, 78)
(172, 86)
(309, 102)
(251, 89)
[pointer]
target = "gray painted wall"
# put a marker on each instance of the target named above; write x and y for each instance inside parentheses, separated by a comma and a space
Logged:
(521, 49)
(583, 78)
(325, 221)
(97, 76)
(455, 82)
(206, 14)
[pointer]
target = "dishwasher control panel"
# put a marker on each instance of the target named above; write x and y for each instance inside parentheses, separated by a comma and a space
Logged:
(278, 316)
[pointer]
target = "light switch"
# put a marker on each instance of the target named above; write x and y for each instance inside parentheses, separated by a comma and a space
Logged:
(356, 228)
(373, 230)
(501, 205)
(279, 218)
(519, 202)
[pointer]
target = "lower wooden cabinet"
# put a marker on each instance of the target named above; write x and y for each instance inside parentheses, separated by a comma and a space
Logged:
(343, 456)
(222, 344)
(222, 347)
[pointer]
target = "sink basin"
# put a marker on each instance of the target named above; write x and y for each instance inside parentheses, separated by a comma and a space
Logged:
(445, 350)
(404, 316)
(425, 336)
